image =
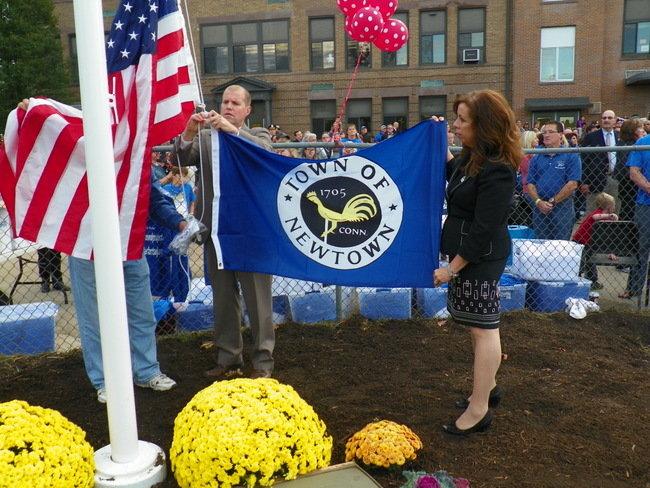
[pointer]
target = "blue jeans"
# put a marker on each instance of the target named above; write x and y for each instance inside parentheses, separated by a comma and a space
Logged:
(141, 322)
(639, 272)
(556, 225)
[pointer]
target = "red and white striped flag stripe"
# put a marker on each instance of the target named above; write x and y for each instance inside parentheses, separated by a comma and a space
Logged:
(42, 166)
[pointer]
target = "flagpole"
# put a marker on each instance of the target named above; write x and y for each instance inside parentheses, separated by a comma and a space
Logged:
(126, 462)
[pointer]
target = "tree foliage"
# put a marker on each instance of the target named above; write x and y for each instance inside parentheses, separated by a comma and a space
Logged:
(31, 55)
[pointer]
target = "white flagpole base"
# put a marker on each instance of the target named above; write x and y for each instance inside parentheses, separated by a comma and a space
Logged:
(148, 468)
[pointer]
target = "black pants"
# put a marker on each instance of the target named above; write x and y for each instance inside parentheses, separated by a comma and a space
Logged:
(49, 265)
(588, 269)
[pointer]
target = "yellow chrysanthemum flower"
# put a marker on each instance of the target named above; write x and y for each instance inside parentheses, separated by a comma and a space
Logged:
(40, 447)
(383, 444)
(243, 432)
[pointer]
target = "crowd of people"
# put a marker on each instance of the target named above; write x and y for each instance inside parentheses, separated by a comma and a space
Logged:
(557, 191)
(338, 134)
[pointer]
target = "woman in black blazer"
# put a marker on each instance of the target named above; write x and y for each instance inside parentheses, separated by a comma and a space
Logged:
(481, 185)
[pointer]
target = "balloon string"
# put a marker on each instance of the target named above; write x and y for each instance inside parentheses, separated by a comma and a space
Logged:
(336, 125)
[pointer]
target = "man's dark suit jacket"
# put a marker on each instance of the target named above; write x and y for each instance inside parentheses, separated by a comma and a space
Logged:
(595, 166)
(476, 227)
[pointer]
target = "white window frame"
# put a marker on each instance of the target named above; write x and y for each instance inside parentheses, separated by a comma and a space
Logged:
(557, 38)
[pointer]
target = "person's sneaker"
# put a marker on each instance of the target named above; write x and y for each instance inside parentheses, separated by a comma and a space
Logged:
(101, 395)
(224, 372)
(596, 285)
(160, 382)
(45, 287)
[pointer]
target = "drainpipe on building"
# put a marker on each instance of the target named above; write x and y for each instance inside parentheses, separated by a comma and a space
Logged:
(509, 50)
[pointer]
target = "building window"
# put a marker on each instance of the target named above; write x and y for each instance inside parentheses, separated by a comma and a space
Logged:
(432, 105)
(258, 116)
(471, 35)
(557, 54)
(568, 117)
(396, 110)
(275, 45)
(636, 31)
(359, 112)
(216, 57)
(401, 56)
(353, 48)
(321, 40)
(323, 113)
(433, 43)
(246, 48)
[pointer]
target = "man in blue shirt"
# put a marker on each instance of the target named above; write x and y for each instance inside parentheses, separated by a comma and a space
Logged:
(351, 135)
(552, 180)
(639, 164)
(379, 136)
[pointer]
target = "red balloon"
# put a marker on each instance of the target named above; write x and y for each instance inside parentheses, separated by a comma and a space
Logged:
(365, 25)
(386, 7)
(393, 36)
(350, 7)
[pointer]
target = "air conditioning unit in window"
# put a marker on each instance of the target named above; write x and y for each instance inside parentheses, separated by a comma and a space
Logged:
(472, 55)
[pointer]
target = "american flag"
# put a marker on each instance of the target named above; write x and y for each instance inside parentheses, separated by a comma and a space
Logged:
(42, 164)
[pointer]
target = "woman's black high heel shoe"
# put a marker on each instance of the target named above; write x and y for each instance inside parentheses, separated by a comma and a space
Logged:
(481, 426)
(495, 399)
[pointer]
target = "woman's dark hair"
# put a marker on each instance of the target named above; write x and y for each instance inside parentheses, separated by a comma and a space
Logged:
(495, 133)
(628, 129)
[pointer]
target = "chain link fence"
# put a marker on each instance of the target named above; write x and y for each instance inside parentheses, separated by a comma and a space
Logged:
(560, 251)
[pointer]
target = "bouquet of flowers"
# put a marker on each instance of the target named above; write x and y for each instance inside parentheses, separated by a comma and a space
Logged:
(40, 447)
(383, 444)
(243, 432)
(439, 479)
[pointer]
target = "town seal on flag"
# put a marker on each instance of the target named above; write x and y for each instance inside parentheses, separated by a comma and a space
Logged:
(343, 214)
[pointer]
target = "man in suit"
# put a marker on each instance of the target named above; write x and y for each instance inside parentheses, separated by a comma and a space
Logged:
(194, 147)
(598, 168)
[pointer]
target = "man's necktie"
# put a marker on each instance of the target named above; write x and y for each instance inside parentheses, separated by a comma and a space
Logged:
(609, 140)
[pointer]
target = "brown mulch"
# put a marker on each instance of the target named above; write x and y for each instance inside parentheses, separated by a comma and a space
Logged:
(575, 411)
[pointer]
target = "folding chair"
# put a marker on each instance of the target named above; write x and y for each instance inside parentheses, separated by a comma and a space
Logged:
(620, 238)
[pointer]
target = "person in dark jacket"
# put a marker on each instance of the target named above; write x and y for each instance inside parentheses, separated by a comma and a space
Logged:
(598, 168)
(481, 185)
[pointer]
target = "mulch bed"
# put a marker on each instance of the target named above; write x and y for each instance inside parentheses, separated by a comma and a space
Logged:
(575, 411)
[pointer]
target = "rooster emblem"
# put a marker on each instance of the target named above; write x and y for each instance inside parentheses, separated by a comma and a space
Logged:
(357, 209)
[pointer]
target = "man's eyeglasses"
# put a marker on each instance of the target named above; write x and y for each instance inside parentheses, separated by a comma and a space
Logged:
(550, 132)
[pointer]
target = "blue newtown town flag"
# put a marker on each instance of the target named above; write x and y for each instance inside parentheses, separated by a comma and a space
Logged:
(372, 218)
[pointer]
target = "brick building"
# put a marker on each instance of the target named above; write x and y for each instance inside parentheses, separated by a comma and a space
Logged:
(295, 59)
(564, 58)
(575, 58)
